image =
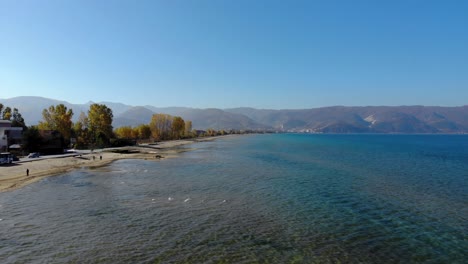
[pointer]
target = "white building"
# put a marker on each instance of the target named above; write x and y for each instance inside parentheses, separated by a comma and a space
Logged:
(6, 133)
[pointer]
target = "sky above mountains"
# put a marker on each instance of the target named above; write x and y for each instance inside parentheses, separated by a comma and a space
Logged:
(263, 54)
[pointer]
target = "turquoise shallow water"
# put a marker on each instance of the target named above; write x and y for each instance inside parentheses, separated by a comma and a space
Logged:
(264, 198)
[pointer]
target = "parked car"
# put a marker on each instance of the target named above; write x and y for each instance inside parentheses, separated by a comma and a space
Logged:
(33, 155)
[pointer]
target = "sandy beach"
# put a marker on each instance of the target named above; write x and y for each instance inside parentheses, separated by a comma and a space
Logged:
(14, 176)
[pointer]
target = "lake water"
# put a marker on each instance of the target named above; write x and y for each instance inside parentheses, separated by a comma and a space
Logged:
(285, 198)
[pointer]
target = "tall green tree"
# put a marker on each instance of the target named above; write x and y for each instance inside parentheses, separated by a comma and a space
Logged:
(6, 114)
(17, 119)
(14, 116)
(100, 124)
(57, 118)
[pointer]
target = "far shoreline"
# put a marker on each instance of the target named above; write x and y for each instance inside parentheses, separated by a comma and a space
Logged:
(14, 176)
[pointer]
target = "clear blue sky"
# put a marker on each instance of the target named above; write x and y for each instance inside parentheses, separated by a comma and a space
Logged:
(263, 54)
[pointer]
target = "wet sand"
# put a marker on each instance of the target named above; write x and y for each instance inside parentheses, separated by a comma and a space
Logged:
(14, 176)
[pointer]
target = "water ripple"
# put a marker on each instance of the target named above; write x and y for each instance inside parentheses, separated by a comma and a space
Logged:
(268, 199)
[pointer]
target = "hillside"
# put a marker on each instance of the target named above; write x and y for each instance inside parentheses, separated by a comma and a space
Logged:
(334, 119)
(370, 119)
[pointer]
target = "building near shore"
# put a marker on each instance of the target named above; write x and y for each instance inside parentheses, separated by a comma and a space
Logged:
(8, 134)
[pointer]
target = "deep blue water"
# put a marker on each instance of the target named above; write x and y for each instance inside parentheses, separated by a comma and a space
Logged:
(285, 198)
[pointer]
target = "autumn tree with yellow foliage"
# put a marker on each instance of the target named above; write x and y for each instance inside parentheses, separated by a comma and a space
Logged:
(100, 124)
(81, 131)
(160, 126)
(177, 127)
(126, 132)
(142, 131)
(57, 118)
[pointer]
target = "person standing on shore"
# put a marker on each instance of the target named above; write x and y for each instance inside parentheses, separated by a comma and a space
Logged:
(27, 172)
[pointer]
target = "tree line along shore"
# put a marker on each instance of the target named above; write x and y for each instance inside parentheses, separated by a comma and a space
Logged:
(93, 129)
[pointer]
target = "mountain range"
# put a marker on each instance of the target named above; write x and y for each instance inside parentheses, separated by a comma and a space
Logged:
(334, 119)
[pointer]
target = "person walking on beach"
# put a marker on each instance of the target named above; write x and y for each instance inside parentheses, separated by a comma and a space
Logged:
(27, 172)
(100, 157)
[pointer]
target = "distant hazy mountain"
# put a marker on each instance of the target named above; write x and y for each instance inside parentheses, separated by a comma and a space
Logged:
(370, 119)
(211, 118)
(133, 116)
(335, 119)
(125, 115)
(117, 108)
(31, 107)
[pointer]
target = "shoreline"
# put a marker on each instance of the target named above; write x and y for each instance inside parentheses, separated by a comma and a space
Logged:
(13, 177)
